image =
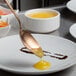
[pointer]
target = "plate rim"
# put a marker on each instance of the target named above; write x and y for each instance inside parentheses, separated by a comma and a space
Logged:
(70, 30)
(69, 2)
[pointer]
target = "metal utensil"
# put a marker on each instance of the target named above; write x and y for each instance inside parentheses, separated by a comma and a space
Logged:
(26, 37)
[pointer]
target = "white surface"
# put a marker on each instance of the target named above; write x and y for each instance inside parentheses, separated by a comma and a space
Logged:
(73, 30)
(72, 0)
(42, 25)
(71, 5)
(13, 60)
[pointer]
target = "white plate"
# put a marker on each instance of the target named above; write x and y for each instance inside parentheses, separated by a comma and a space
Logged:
(73, 30)
(13, 60)
(71, 5)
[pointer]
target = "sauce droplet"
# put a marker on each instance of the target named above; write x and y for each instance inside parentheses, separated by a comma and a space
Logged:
(42, 65)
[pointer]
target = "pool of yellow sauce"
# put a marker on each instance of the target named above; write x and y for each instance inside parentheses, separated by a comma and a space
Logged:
(45, 14)
(42, 65)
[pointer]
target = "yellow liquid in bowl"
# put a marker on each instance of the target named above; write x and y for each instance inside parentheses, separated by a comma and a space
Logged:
(45, 14)
(42, 65)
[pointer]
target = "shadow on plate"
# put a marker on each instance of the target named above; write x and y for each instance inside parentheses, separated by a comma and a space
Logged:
(60, 73)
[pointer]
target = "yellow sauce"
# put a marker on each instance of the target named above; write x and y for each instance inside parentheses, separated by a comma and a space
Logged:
(38, 52)
(42, 65)
(45, 14)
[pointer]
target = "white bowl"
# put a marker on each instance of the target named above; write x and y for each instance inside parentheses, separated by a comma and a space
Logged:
(42, 25)
(4, 30)
(8, 16)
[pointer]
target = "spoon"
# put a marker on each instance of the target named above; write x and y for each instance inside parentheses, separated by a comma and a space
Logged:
(27, 39)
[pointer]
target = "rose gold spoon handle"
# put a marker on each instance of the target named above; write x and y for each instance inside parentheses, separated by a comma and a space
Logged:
(26, 37)
(8, 4)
